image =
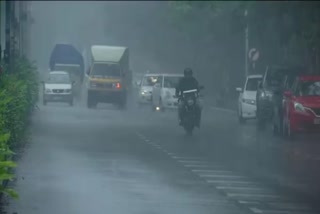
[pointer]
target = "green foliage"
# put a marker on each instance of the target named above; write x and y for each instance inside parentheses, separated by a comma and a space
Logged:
(18, 96)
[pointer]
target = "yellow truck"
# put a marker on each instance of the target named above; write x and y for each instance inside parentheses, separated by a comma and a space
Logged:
(108, 78)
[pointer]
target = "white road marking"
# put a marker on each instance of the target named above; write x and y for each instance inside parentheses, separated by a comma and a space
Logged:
(192, 161)
(221, 176)
(197, 166)
(289, 206)
(255, 210)
(248, 202)
(187, 158)
(240, 188)
(226, 182)
(211, 171)
(254, 195)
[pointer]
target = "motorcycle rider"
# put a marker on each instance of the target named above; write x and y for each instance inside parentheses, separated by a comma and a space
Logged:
(188, 82)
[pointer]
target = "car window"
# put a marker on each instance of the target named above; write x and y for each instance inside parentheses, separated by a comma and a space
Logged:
(171, 82)
(151, 80)
(275, 77)
(308, 88)
(58, 78)
(106, 70)
(252, 84)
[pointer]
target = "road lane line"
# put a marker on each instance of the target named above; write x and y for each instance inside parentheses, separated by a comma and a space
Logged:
(211, 171)
(240, 188)
(255, 210)
(226, 182)
(221, 176)
(254, 195)
(197, 166)
(193, 161)
(187, 158)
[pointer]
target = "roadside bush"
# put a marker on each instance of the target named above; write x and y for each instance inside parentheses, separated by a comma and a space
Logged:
(18, 97)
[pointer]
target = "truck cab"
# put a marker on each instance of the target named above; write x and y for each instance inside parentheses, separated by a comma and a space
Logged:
(108, 76)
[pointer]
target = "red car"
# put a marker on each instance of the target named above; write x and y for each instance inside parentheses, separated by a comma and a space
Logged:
(302, 106)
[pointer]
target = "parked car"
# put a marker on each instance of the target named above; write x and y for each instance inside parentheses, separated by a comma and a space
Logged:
(58, 88)
(163, 92)
(271, 83)
(302, 106)
(247, 98)
(278, 100)
(145, 88)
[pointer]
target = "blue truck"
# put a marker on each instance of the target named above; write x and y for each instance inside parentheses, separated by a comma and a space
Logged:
(65, 57)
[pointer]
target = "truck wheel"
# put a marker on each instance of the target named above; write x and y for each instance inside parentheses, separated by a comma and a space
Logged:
(89, 100)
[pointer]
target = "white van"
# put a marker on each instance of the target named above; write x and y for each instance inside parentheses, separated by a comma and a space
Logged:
(163, 91)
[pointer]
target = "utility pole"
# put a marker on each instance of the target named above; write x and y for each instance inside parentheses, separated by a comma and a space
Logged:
(246, 43)
(7, 51)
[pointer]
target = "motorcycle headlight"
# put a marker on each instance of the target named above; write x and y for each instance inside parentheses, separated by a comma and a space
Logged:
(266, 95)
(299, 107)
(190, 102)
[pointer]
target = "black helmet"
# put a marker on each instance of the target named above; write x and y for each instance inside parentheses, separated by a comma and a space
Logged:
(188, 72)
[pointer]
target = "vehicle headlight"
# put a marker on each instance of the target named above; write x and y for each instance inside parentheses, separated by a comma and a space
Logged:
(190, 102)
(47, 90)
(249, 101)
(299, 107)
(266, 95)
(143, 92)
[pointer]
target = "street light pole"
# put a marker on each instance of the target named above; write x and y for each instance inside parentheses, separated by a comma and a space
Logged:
(246, 43)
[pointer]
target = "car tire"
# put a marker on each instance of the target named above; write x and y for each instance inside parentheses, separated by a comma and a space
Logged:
(162, 109)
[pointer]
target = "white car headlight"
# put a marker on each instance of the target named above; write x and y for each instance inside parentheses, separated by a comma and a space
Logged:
(299, 107)
(143, 92)
(266, 94)
(249, 101)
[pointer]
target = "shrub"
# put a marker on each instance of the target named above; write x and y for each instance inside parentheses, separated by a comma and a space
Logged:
(18, 97)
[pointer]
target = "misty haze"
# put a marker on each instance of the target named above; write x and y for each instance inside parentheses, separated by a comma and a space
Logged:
(160, 107)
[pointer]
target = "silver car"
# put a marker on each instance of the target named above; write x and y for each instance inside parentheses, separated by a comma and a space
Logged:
(58, 88)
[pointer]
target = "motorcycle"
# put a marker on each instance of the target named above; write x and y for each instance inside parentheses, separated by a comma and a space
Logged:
(189, 99)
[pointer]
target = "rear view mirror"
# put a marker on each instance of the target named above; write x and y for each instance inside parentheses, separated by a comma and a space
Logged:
(239, 89)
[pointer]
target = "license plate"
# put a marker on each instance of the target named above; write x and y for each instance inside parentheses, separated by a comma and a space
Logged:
(317, 121)
(56, 98)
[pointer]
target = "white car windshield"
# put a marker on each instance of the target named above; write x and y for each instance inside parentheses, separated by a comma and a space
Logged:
(150, 80)
(171, 82)
(252, 84)
(105, 70)
(58, 78)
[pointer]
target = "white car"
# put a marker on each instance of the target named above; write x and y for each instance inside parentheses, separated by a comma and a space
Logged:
(163, 92)
(247, 98)
(58, 88)
(145, 88)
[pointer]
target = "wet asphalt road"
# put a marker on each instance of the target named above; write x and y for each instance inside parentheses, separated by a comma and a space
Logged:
(140, 162)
